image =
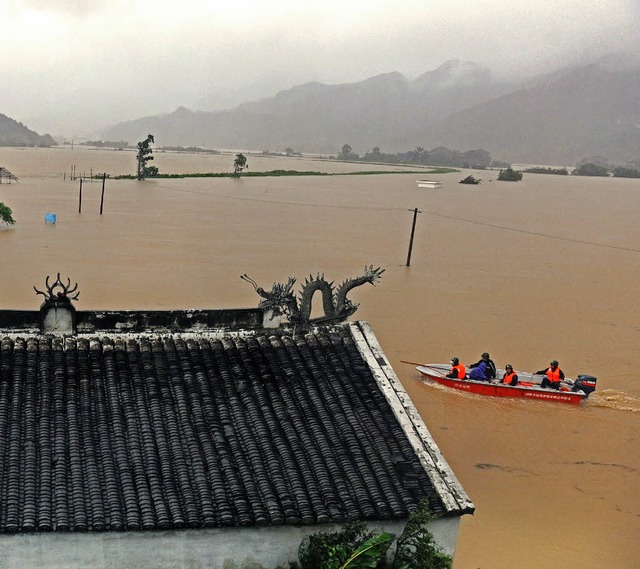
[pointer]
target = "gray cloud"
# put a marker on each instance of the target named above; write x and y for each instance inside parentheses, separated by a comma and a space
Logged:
(76, 65)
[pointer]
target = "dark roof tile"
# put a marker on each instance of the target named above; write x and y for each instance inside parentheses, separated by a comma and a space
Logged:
(158, 432)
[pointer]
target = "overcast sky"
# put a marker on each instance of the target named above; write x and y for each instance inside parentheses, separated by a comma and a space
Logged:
(72, 66)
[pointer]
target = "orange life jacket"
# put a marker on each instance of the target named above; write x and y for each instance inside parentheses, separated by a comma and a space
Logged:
(553, 376)
(460, 370)
(508, 377)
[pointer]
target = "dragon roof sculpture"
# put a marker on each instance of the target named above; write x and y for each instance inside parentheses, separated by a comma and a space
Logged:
(281, 299)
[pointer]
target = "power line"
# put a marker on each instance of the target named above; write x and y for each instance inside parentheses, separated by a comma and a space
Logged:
(536, 233)
(431, 213)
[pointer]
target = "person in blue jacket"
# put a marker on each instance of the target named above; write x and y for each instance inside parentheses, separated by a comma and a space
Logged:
(479, 371)
(488, 368)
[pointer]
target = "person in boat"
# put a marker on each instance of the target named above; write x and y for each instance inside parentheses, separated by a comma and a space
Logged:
(488, 368)
(553, 375)
(458, 371)
(479, 371)
(510, 377)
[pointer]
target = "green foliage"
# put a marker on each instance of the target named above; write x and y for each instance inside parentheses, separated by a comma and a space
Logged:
(6, 215)
(332, 550)
(239, 164)
(376, 155)
(294, 173)
(192, 149)
(143, 156)
(416, 547)
(556, 171)
(370, 552)
(622, 172)
(591, 169)
(354, 547)
(509, 175)
(119, 145)
(440, 156)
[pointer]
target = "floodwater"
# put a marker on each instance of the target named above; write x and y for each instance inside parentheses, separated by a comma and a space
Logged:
(543, 269)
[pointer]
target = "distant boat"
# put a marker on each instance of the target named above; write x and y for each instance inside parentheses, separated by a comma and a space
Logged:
(429, 184)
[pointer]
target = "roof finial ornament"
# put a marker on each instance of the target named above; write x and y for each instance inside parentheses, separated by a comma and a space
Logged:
(58, 291)
(337, 307)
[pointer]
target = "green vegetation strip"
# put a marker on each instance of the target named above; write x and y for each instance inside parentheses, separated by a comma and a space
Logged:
(291, 173)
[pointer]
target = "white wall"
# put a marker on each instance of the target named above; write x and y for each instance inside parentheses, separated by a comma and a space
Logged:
(225, 548)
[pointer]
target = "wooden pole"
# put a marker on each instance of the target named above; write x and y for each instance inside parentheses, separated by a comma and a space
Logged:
(415, 211)
(104, 178)
(80, 198)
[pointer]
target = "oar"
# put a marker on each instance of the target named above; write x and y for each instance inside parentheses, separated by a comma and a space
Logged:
(422, 365)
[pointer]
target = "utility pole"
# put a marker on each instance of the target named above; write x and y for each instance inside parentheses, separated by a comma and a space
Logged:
(80, 198)
(104, 177)
(415, 211)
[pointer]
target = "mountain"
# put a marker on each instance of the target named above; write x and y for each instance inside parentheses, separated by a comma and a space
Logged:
(321, 118)
(555, 118)
(13, 133)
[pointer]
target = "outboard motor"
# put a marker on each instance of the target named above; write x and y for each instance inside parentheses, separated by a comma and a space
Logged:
(586, 383)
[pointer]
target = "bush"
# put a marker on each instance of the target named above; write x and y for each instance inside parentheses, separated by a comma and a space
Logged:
(354, 547)
(510, 175)
(6, 215)
(555, 171)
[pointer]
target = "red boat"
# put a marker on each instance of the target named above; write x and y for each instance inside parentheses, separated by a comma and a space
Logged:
(528, 385)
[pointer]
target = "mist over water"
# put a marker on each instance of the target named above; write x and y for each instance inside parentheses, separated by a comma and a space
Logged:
(543, 269)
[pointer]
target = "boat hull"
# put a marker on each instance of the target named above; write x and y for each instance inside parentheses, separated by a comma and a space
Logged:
(500, 389)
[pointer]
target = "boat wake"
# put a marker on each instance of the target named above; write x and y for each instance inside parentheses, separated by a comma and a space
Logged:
(612, 399)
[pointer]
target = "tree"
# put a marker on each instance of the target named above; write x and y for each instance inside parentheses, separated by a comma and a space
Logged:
(510, 175)
(419, 155)
(239, 164)
(623, 172)
(143, 156)
(6, 215)
(347, 153)
(417, 547)
(591, 169)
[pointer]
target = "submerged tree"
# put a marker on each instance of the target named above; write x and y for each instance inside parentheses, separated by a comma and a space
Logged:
(470, 180)
(510, 175)
(144, 155)
(591, 169)
(347, 153)
(6, 215)
(239, 164)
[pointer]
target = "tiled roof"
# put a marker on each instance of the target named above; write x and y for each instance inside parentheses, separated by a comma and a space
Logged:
(131, 432)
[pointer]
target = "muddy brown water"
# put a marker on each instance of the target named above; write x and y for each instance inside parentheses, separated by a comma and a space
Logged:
(530, 271)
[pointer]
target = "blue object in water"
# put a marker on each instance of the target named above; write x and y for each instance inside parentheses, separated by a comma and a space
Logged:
(50, 218)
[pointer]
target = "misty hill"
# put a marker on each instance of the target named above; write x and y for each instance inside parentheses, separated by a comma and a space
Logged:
(557, 118)
(321, 118)
(14, 133)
